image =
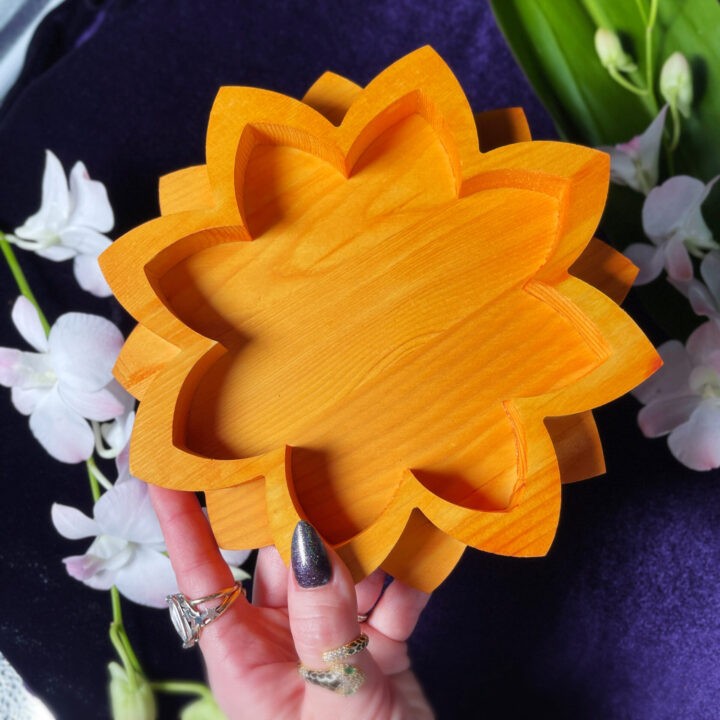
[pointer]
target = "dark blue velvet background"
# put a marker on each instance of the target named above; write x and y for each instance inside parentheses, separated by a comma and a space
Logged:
(619, 621)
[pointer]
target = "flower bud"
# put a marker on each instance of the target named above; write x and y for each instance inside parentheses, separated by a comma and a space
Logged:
(610, 52)
(205, 708)
(676, 83)
(130, 698)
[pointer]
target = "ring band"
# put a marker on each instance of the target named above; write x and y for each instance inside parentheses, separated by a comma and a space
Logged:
(341, 678)
(189, 619)
(351, 648)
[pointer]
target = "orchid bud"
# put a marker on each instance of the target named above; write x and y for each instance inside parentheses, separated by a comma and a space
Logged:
(610, 52)
(676, 83)
(205, 708)
(130, 698)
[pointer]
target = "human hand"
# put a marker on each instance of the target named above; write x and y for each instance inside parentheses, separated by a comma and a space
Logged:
(252, 651)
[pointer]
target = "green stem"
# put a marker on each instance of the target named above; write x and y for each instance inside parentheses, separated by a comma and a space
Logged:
(641, 10)
(677, 123)
(653, 14)
(118, 635)
(121, 650)
(119, 627)
(624, 82)
(97, 475)
(649, 27)
(100, 449)
(21, 280)
(181, 687)
(94, 485)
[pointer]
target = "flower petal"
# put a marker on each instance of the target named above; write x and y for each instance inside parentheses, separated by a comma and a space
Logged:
(90, 204)
(703, 345)
(89, 276)
(126, 511)
(701, 299)
(648, 149)
(86, 569)
(623, 170)
(56, 253)
(235, 557)
(101, 405)
(677, 260)
(117, 434)
(71, 523)
(649, 260)
(695, 229)
(666, 208)
(25, 400)
(83, 350)
(710, 273)
(696, 444)
(85, 241)
(663, 415)
(25, 369)
(671, 378)
(60, 430)
(635, 163)
(122, 463)
(26, 319)
(11, 367)
(147, 579)
(55, 204)
(98, 567)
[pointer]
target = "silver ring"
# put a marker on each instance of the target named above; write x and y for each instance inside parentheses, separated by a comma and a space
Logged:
(188, 618)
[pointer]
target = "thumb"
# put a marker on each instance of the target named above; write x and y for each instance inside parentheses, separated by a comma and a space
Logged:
(322, 608)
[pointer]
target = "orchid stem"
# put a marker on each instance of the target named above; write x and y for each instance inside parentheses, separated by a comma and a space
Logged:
(100, 449)
(119, 637)
(181, 687)
(20, 279)
(677, 123)
(94, 485)
(649, 27)
(624, 82)
(98, 475)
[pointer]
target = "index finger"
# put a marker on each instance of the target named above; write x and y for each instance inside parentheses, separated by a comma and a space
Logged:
(194, 554)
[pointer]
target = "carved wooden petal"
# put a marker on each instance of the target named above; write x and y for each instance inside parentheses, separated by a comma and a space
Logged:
(353, 315)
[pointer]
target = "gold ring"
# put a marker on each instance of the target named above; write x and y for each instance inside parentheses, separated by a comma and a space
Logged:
(351, 648)
(342, 679)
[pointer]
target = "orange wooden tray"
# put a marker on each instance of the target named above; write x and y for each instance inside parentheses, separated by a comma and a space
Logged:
(374, 311)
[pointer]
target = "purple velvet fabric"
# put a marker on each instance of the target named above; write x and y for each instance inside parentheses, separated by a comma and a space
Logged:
(618, 621)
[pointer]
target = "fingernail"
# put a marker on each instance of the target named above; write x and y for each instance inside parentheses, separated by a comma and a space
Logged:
(310, 562)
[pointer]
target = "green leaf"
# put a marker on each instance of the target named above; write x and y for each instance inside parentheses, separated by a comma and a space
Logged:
(553, 43)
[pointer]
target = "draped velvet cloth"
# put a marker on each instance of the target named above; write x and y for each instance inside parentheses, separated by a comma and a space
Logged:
(619, 621)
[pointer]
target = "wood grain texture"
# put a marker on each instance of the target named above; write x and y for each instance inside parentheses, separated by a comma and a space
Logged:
(361, 312)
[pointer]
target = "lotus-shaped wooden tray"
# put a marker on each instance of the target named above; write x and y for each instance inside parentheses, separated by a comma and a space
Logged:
(374, 311)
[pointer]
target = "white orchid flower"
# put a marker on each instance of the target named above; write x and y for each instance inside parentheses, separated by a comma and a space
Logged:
(128, 550)
(682, 399)
(68, 380)
(71, 223)
(635, 163)
(673, 221)
(704, 296)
